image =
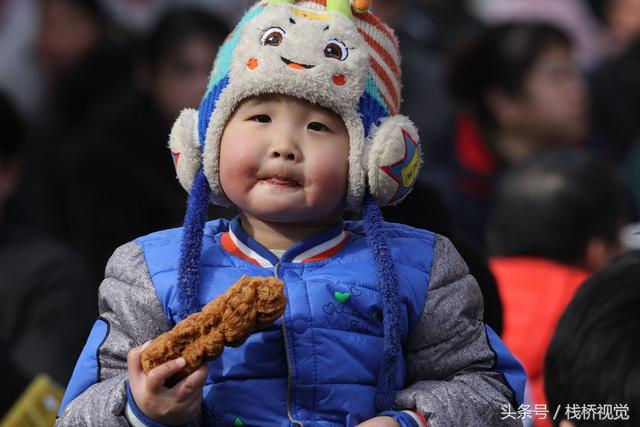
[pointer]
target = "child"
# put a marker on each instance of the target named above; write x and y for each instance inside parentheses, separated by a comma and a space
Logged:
(298, 124)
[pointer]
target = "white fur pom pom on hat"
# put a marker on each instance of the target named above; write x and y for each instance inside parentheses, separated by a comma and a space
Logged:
(185, 148)
(393, 160)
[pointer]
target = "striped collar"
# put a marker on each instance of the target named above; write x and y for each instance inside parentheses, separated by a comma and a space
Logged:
(318, 247)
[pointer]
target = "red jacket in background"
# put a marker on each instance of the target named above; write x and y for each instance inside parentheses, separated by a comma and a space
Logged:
(534, 293)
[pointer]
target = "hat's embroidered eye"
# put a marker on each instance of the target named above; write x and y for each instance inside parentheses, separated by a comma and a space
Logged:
(272, 37)
(336, 49)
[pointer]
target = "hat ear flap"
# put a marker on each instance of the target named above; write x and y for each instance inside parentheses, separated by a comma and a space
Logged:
(185, 147)
(393, 160)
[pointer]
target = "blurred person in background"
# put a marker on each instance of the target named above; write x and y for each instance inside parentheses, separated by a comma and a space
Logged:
(574, 17)
(520, 93)
(83, 63)
(615, 90)
(46, 299)
(42, 45)
(80, 68)
(174, 58)
(91, 194)
(594, 356)
(69, 29)
(556, 219)
(615, 85)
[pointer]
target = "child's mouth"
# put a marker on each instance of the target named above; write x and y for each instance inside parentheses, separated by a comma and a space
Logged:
(282, 181)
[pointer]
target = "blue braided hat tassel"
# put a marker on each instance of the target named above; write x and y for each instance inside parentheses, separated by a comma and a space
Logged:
(191, 250)
(373, 223)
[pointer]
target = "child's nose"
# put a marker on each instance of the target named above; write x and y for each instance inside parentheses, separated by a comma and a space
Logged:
(285, 151)
(286, 155)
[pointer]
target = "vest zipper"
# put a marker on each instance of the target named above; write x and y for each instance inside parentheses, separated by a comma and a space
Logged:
(286, 350)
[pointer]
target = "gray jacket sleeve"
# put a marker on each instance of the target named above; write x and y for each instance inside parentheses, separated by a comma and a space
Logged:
(129, 305)
(450, 365)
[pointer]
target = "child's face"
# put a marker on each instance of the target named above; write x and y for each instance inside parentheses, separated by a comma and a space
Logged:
(285, 160)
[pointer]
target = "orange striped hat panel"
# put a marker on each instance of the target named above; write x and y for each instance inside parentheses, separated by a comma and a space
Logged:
(384, 53)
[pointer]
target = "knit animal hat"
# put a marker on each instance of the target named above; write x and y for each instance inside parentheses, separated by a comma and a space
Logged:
(333, 53)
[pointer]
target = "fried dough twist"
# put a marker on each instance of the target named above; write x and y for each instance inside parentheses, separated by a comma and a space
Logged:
(249, 304)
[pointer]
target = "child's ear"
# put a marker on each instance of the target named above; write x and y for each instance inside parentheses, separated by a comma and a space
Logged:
(393, 159)
(185, 147)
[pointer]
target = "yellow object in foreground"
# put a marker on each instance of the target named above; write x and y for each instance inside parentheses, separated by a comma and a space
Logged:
(37, 406)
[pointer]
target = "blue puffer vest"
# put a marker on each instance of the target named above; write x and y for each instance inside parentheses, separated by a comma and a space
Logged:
(322, 359)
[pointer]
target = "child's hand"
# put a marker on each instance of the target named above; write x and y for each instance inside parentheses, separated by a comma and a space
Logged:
(380, 422)
(177, 405)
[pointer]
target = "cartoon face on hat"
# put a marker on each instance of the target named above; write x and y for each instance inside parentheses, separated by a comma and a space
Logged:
(329, 52)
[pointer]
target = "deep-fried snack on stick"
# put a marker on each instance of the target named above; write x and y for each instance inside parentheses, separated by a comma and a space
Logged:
(249, 304)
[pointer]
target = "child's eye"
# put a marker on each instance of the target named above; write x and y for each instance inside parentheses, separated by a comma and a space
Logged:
(261, 118)
(318, 127)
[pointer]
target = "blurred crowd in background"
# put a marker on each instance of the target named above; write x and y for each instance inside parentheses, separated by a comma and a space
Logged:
(528, 113)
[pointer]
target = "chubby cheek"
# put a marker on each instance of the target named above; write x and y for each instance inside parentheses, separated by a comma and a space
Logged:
(236, 168)
(330, 182)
